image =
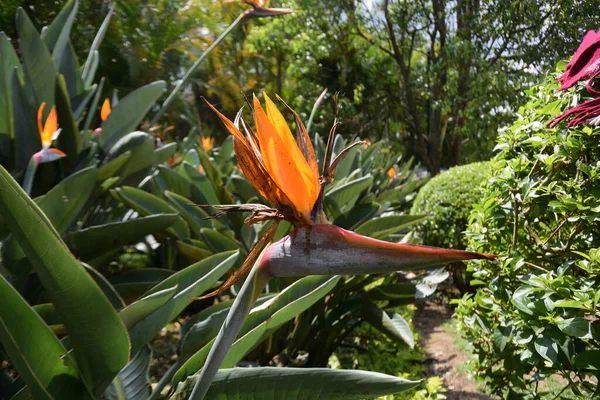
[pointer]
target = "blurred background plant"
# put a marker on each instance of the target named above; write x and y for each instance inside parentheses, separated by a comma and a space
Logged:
(534, 315)
(447, 200)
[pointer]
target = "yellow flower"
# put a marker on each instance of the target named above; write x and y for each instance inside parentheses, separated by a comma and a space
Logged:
(391, 172)
(48, 132)
(207, 143)
(284, 173)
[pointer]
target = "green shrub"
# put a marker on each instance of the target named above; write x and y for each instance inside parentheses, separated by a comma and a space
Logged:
(536, 312)
(448, 200)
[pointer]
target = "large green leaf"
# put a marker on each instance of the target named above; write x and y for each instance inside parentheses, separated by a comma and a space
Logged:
(81, 305)
(89, 70)
(169, 179)
(394, 327)
(195, 216)
(64, 201)
(189, 283)
(37, 62)
(128, 113)
(8, 62)
(93, 241)
(133, 283)
(27, 139)
(381, 228)
(201, 181)
(141, 146)
(57, 34)
(297, 383)
(260, 323)
(146, 204)
(344, 197)
(69, 68)
(133, 380)
(38, 355)
(68, 141)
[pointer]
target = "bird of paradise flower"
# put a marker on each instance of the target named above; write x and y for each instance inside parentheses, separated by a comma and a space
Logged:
(285, 172)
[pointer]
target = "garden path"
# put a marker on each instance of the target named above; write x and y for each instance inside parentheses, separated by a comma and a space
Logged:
(444, 358)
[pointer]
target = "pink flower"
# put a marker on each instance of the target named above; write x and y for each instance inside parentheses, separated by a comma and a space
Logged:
(585, 64)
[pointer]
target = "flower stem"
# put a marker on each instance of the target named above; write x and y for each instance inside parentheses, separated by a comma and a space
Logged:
(29, 175)
(189, 72)
(252, 288)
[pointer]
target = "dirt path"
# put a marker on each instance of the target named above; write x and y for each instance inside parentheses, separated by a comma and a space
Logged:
(444, 358)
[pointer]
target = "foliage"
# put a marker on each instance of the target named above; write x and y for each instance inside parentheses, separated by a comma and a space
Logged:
(447, 199)
(536, 311)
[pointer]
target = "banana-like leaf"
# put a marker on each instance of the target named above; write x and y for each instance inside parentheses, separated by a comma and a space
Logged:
(297, 383)
(147, 204)
(8, 62)
(27, 140)
(89, 70)
(69, 138)
(69, 68)
(205, 325)
(162, 154)
(189, 283)
(218, 242)
(81, 305)
(195, 216)
(64, 201)
(141, 146)
(381, 228)
(133, 380)
(343, 197)
(57, 34)
(38, 355)
(92, 111)
(193, 252)
(169, 179)
(357, 215)
(201, 181)
(37, 62)
(111, 168)
(91, 242)
(394, 327)
(260, 323)
(132, 284)
(393, 292)
(137, 311)
(128, 113)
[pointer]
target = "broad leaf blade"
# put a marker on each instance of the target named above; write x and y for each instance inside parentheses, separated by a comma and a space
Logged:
(81, 305)
(38, 355)
(128, 113)
(298, 383)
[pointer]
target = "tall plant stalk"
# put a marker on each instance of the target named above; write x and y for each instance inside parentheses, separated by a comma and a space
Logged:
(189, 72)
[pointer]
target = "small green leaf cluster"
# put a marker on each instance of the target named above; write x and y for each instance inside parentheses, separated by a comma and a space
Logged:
(447, 199)
(536, 312)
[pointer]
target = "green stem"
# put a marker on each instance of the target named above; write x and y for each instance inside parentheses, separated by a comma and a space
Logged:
(314, 110)
(253, 286)
(166, 378)
(29, 175)
(189, 72)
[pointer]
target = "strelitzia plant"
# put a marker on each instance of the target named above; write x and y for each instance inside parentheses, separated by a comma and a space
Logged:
(48, 132)
(285, 172)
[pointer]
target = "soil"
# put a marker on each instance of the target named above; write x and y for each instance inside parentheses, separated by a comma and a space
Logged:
(443, 356)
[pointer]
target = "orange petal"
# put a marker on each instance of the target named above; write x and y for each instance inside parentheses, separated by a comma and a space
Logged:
(304, 143)
(50, 127)
(105, 110)
(40, 113)
(284, 161)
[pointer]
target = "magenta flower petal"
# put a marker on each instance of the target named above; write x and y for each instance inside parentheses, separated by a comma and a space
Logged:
(585, 64)
(582, 113)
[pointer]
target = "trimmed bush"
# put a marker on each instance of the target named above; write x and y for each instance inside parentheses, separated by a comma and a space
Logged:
(536, 313)
(448, 200)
